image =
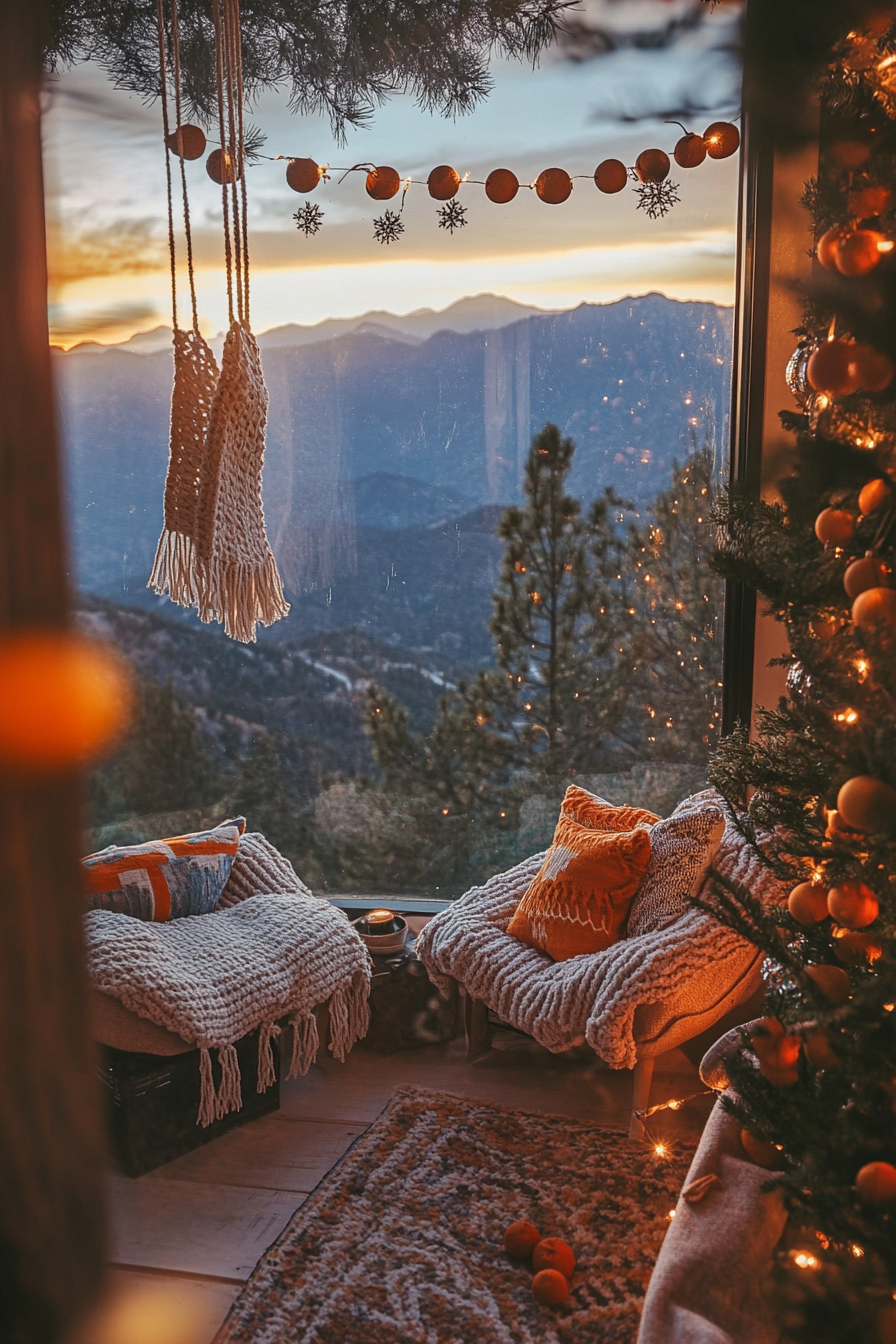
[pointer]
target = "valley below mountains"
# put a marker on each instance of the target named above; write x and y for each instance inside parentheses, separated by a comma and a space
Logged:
(393, 447)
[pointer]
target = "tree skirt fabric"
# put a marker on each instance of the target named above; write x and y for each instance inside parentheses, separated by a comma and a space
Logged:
(403, 1239)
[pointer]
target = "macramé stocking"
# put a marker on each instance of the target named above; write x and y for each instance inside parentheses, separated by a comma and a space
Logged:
(195, 377)
(239, 582)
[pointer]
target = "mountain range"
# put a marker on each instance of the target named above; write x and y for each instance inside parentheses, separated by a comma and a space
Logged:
(393, 446)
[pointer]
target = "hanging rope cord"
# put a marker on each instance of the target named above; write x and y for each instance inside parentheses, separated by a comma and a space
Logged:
(163, 86)
(234, 203)
(188, 231)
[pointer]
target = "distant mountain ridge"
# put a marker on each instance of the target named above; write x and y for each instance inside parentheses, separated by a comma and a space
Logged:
(480, 312)
(373, 440)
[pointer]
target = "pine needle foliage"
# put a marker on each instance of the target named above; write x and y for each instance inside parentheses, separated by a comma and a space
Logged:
(836, 722)
(340, 58)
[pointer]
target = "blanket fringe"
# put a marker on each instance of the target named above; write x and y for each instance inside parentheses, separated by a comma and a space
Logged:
(305, 1043)
(267, 1073)
(230, 1097)
(206, 1090)
(349, 1016)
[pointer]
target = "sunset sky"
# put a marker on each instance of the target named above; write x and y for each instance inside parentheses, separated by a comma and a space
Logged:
(105, 182)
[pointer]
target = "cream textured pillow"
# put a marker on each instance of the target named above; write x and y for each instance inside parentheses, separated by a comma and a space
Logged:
(681, 850)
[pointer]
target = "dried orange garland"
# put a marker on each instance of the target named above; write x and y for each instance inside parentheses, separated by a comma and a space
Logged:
(649, 174)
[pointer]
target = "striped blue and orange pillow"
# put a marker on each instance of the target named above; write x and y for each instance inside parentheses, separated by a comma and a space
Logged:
(163, 879)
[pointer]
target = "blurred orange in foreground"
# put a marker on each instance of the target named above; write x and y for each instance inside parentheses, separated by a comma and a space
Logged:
(64, 700)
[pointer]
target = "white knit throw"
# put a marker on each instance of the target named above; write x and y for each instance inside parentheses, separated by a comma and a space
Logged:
(214, 978)
(591, 998)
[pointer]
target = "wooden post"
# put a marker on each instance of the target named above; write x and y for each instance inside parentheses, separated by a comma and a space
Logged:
(642, 1080)
(477, 1028)
(51, 1149)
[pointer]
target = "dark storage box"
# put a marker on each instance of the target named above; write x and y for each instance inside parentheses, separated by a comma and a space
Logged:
(153, 1102)
(406, 1009)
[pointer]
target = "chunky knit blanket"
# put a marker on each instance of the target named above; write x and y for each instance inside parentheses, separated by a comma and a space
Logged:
(213, 978)
(685, 967)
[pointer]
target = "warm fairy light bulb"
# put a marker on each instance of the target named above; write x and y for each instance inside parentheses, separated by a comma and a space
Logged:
(888, 1007)
(674, 1105)
(659, 1149)
(805, 1260)
(863, 667)
(846, 716)
(823, 402)
(671, 1214)
(857, 1251)
(885, 245)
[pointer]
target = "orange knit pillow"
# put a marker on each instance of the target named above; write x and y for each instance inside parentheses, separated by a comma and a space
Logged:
(579, 901)
(597, 815)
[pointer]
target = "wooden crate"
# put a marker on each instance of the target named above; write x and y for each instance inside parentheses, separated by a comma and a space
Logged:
(153, 1102)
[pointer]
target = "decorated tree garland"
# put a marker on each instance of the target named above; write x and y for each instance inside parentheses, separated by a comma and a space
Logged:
(814, 791)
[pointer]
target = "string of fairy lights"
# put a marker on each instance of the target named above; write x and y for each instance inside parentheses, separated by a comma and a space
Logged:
(649, 176)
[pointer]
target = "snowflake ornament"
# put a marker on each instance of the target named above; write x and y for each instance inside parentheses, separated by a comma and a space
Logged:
(388, 228)
(657, 198)
(452, 216)
(309, 219)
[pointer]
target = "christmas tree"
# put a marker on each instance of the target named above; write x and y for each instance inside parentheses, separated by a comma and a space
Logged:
(814, 786)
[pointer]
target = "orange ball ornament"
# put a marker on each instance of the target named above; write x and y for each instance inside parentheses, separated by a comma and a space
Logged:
(818, 1050)
(835, 527)
(722, 139)
(652, 165)
(853, 905)
(869, 572)
(808, 903)
(188, 142)
(553, 186)
(869, 201)
(867, 804)
(760, 1151)
(553, 1253)
(549, 1287)
(876, 1184)
(825, 628)
(520, 1239)
(855, 948)
(382, 183)
(302, 175)
(827, 245)
(831, 982)
(874, 496)
(690, 150)
(875, 610)
(850, 153)
(859, 252)
(443, 182)
(221, 168)
(501, 186)
(610, 176)
(873, 370)
(831, 369)
(776, 1052)
(64, 700)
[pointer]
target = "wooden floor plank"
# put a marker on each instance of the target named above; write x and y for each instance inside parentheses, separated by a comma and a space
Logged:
(193, 1226)
(272, 1153)
(356, 1092)
(205, 1301)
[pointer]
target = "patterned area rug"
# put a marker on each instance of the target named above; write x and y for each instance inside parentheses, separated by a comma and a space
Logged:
(402, 1242)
